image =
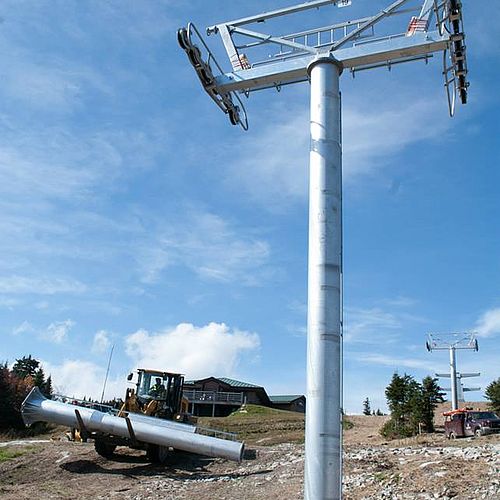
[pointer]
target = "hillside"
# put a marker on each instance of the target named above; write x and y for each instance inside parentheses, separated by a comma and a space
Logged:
(425, 467)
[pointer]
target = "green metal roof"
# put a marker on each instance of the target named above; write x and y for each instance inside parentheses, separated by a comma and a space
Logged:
(236, 383)
(229, 381)
(285, 399)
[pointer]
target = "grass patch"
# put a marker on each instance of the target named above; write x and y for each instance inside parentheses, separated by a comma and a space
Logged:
(8, 454)
(260, 425)
(380, 476)
(256, 410)
(264, 426)
(346, 424)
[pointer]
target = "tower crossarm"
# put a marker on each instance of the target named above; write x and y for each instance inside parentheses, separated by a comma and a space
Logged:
(262, 58)
(385, 51)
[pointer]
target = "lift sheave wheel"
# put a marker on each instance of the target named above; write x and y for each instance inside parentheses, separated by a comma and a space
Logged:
(223, 99)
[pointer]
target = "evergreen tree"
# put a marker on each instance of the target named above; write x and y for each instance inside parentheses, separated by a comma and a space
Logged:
(15, 385)
(412, 405)
(366, 407)
(431, 397)
(14, 390)
(493, 394)
(379, 413)
(404, 398)
(47, 387)
(26, 366)
(8, 419)
(39, 379)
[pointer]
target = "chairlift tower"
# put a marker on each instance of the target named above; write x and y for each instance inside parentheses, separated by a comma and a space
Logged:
(452, 342)
(262, 59)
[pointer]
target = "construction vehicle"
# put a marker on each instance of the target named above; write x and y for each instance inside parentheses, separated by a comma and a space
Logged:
(468, 422)
(157, 394)
(153, 418)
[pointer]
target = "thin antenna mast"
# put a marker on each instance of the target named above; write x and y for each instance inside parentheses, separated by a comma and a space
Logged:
(107, 372)
(262, 60)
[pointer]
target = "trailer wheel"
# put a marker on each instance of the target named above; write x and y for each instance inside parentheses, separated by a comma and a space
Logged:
(478, 432)
(104, 449)
(158, 454)
(453, 435)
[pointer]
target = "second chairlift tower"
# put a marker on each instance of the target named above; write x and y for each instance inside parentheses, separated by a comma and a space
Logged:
(320, 56)
(452, 342)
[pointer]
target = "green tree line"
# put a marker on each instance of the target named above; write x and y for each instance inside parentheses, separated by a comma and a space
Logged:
(15, 384)
(412, 404)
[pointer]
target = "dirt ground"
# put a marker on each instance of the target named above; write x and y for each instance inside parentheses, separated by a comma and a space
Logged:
(425, 467)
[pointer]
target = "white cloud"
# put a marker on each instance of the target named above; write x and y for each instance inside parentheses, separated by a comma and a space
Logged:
(58, 331)
(24, 327)
(78, 378)
(214, 349)
(208, 245)
(39, 286)
(101, 341)
(396, 363)
(9, 302)
(374, 325)
(370, 325)
(272, 165)
(374, 134)
(49, 86)
(488, 324)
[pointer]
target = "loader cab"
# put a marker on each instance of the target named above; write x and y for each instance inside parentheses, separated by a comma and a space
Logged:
(163, 387)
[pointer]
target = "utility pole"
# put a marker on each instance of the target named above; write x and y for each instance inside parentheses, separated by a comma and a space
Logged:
(262, 60)
(452, 342)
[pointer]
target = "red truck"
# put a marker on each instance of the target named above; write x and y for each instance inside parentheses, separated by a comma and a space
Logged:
(469, 422)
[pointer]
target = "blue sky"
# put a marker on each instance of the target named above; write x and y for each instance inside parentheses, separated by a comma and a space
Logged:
(133, 214)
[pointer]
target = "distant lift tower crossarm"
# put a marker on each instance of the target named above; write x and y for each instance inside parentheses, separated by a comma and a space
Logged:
(460, 388)
(262, 60)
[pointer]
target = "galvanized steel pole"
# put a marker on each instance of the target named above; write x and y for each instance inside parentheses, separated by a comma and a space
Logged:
(323, 470)
(453, 379)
